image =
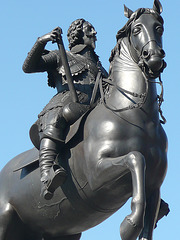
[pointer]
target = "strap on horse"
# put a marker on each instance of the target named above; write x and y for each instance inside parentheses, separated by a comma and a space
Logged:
(142, 96)
(99, 75)
(160, 100)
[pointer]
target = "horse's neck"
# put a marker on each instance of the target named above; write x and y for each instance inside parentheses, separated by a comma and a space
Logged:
(126, 74)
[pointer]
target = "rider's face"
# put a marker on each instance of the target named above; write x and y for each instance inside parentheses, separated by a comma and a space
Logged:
(89, 35)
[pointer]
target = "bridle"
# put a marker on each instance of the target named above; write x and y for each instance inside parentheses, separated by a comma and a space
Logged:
(142, 96)
(137, 57)
(160, 99)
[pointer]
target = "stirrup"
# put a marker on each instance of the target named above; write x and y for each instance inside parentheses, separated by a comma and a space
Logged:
(45, 193)
(57, 176)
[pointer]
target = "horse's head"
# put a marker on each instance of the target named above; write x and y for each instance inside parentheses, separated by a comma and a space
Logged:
(144, 30)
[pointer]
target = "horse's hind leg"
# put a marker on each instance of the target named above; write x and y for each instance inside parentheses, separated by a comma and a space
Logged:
(152, 209)
(6, 212)
(10, 224)
(152, 214)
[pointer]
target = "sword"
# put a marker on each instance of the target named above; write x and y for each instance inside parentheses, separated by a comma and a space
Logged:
(65, 64)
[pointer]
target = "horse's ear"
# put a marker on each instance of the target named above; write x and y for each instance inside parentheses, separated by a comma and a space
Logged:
(157, 6)
(127, 12)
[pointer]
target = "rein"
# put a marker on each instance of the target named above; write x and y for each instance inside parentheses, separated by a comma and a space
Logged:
(160, 99)
(139, 104)
(142, 96)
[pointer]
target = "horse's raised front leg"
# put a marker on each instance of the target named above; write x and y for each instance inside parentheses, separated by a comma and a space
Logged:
(102, 169)
(133, 223)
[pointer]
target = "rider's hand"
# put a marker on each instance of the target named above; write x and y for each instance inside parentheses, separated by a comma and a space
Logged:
(51, 36)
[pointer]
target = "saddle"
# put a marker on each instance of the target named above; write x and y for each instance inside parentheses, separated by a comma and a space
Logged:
(32, 160)
(73, 114)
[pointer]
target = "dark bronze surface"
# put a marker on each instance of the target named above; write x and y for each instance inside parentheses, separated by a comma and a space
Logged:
(119, 151)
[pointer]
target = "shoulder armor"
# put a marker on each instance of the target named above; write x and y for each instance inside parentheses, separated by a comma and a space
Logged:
(77, 64)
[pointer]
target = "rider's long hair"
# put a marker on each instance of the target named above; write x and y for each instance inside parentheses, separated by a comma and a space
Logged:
(75, 32)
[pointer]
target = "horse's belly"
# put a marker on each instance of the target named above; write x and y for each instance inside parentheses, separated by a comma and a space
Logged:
(67, 213)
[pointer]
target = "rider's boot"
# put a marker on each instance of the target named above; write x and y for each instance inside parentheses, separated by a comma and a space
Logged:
(52, 175)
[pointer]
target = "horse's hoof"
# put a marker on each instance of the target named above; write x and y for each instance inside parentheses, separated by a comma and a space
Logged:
(129, 230)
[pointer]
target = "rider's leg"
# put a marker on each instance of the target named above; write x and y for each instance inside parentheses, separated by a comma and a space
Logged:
(52, 175)
(51, 132)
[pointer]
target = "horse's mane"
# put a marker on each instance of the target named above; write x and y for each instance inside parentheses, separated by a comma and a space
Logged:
(125, 31)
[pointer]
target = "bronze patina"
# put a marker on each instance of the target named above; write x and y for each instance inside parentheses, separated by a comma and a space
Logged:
(110, 147)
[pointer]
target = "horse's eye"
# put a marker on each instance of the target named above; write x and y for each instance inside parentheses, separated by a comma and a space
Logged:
(136, 31)
(159, 30)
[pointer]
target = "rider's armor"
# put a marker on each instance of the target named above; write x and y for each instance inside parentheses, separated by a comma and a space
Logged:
(84, 65)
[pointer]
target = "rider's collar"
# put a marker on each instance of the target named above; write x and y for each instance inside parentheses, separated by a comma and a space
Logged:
(85, 51)
(78, 48)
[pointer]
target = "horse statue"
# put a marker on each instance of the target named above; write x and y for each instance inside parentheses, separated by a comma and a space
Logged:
(118, 151)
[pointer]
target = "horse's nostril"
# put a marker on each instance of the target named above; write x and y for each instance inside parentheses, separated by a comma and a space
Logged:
(162, 52)
(145, 54)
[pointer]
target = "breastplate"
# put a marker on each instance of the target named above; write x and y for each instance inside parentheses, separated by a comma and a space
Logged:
(83, 69)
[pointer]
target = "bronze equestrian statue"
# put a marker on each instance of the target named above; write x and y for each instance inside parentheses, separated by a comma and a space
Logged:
(116, 149)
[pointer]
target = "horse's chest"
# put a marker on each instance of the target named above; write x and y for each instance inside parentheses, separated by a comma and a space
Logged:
(131, 131)
(133, 134)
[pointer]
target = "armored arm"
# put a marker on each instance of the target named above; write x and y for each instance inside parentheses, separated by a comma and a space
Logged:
(39, 59)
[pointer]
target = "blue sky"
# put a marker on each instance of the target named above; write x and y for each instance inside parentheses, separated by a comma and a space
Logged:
(24, 95)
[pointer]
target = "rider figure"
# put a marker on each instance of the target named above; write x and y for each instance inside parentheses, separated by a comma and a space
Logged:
(84, 65)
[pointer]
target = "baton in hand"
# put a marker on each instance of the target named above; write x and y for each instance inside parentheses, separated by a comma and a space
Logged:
(66, 66)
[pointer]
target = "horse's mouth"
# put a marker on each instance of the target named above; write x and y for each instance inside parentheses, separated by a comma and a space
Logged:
(154, 66)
